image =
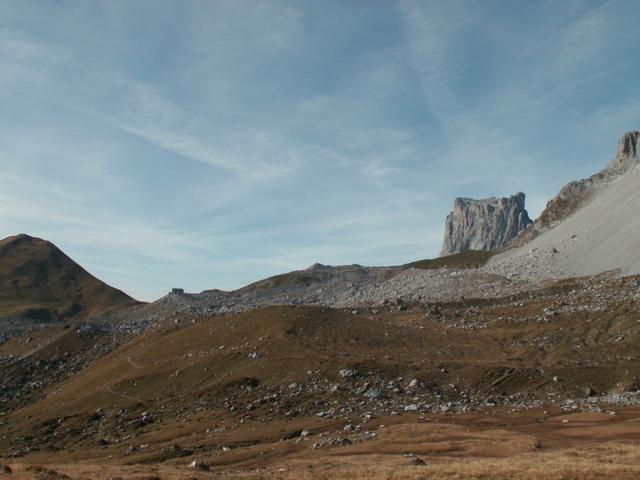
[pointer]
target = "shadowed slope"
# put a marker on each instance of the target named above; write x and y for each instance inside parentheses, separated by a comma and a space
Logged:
(37, 280)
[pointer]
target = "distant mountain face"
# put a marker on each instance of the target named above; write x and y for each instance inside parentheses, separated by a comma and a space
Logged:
(578, 193)
(484, 224)
(590, 227)
(37, 280)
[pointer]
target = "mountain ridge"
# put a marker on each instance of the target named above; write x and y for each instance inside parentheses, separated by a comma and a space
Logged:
(578, 193)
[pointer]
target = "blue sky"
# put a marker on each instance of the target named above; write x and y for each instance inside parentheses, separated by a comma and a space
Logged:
(207, 144)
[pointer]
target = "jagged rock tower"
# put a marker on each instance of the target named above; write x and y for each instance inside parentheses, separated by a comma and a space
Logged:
(484, 224)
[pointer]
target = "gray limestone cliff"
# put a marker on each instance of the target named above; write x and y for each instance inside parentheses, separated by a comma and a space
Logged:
(484, 224)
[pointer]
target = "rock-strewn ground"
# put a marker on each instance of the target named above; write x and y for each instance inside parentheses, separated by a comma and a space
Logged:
(599, 237)
(339, 287)
(194, 386)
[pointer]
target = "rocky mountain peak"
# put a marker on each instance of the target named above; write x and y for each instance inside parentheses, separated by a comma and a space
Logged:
(578, 193)
(627, 157)
(484, 224)
(628, 145)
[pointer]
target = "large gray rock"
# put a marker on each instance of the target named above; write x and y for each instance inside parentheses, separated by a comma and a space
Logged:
(484, 224)
(628, 154)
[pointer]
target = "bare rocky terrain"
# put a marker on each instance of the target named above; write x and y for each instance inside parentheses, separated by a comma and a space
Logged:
(600, 233)
(579, 193)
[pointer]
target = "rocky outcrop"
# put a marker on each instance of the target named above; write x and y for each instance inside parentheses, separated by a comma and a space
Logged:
(627, 156)
(579, 192)
(484, 224)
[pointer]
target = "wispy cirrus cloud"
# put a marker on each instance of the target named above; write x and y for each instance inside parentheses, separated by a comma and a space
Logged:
(207, 144)
(540, 71)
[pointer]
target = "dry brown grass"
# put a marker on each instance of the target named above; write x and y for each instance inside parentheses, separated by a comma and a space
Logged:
(469, 259)
(611, 460)
(455, 447)
(618, 461)
(37, 280)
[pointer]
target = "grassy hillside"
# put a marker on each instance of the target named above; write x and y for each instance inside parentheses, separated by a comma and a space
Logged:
(470, 259)
(37, 280)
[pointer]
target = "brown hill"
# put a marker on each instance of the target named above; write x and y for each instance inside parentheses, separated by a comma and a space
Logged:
(37, 280)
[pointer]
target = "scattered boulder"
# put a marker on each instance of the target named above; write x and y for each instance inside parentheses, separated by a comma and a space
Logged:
(199, 465)
(374, 393)
(415, 384)
(348, 373)
(90, 330)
